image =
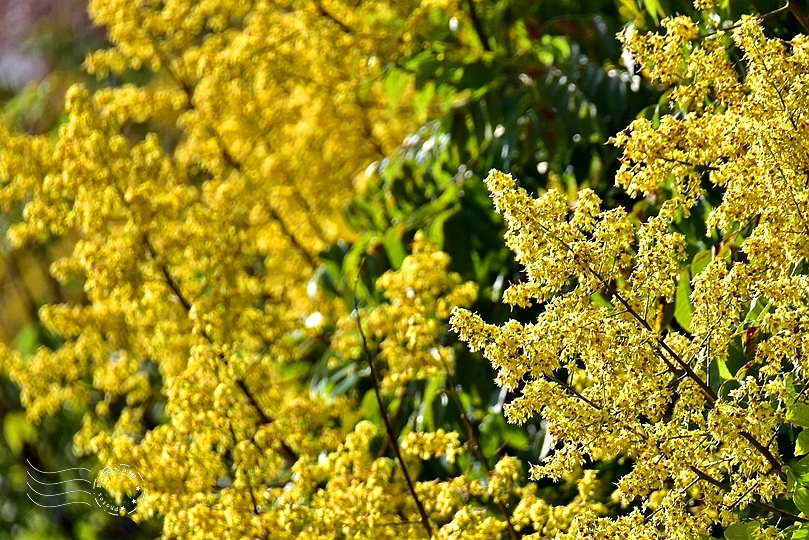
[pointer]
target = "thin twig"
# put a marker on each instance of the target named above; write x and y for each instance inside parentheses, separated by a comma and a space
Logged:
(572, 391)
(233, 163)
(285, 450)
(685, 366)
(767, 15)
(687, 163)
(247, 476)
(323, 11)
(470, 430)
(425, 521)
(383, 449)
(795, 9)
(764, 506)
(709, 393)
(476, 24)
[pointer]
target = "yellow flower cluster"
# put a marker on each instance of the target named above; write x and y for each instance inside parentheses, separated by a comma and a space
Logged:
(198, 202)
(195, 248)
(701, 437)
(367, 496)
(409, 325)
(431, 444)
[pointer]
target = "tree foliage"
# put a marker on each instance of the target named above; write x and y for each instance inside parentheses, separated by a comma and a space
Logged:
(273, 208)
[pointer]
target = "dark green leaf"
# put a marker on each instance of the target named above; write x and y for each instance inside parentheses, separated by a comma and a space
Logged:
(17, 430)
(791, 479)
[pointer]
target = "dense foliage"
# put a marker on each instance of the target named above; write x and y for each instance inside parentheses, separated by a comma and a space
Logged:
(274, 211)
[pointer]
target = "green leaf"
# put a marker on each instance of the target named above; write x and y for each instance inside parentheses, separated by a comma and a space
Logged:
(737, 355)
(802, 444)
(345, 379)
(418, 218)
(17, 430)
(790, 388)
(27, 339)
(395, 85)
(798, 414)
(436, 230)
(394, 248)
(682, 302)
(424, 65)
(600, 301)
(630, 6)
(351, 268)
(801, 499)
(801, 471)
(797, 532)
(791, 480)
(370, 407)
(743, 531)
(654, 9)
(423, 98)
(758, 307)
(85, 531)
(727, 387)
(724, 372)
(492, 429)
(700, 261)
(516, 437)
(430, 405)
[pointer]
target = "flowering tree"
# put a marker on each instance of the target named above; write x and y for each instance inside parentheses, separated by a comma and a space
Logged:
(705, 405)
(274, 368)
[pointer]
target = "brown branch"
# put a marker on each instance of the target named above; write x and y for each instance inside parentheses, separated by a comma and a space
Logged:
(168, 277)
(684, 366)
(476, 445)
(343, 26)
(572, 391)
(314, 223)
(247, 476)
(287, 452)
(368, 129)
(709, 393)
(425, 521)
(232, 162)
(686, 369)
(687, 163)
(797, 12)
(764, 451)
(311, 260)
(707, 390)
(476, 24)
(764, 506)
